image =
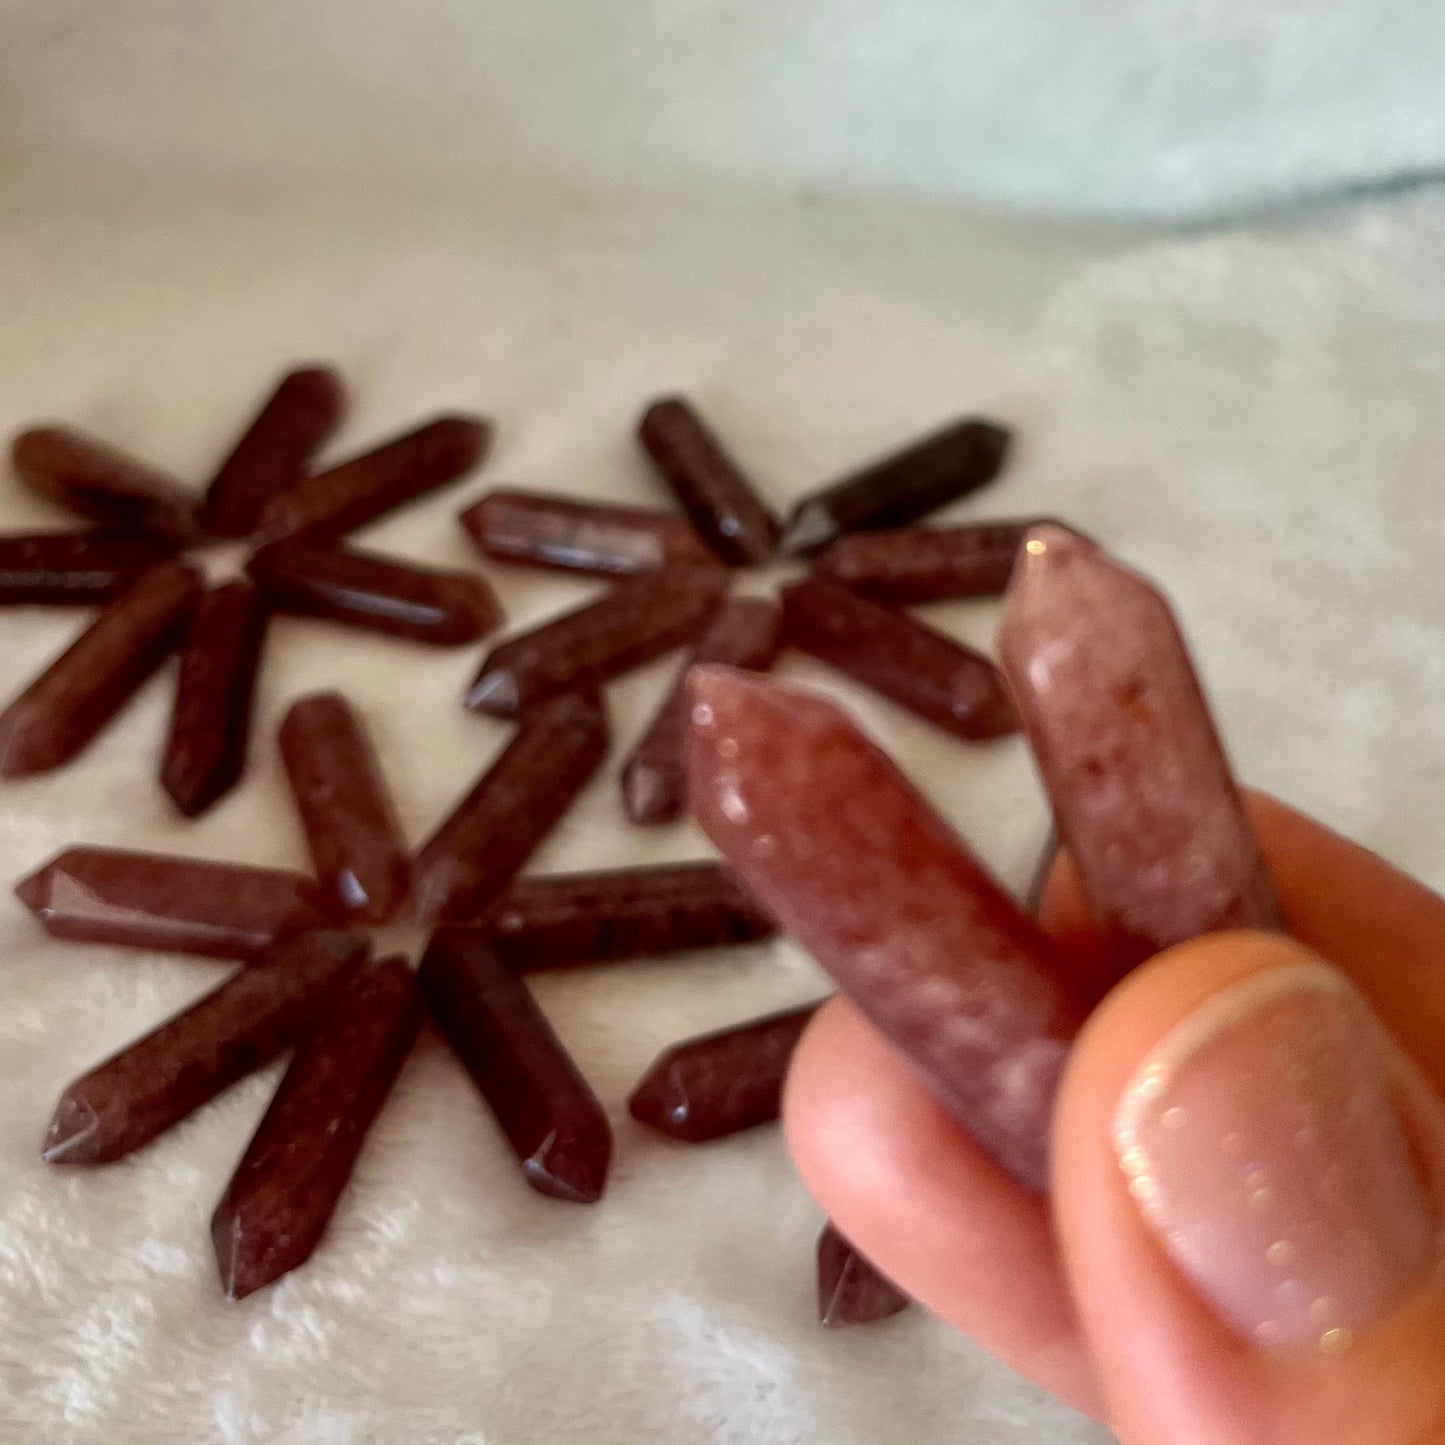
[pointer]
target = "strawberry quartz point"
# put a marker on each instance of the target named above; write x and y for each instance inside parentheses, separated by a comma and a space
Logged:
(286, 1187)
(859, 869)
(1145, 801)
(723, 1082)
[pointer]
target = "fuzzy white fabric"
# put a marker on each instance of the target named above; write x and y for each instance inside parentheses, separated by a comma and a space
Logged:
(1250, 415)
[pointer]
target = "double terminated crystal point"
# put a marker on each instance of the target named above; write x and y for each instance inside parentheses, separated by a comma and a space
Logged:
(1142, 792)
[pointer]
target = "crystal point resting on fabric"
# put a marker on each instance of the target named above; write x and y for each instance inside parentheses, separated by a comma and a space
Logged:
(1142, 792)
(905, 565)
(745, 633)
(545, 1107)
(73, 569)
(285, 1189)
(375, 593)
(864, 874)
(211, 724)
(95, 480)
(272, 454)
(180, 905)
(185, 1062)
(950, 685)
(351, 826)
(476, 851)
(721, 500)
(570, 534)
(634, 622)
(358, 491)
(74, 698)
(900, 488)
(850, 1289)
(559, 920)
(722, 1082)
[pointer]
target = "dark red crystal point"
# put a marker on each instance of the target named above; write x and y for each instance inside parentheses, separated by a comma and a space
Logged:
(550, 1116)
(559, 920)
(714, 491)
(634, 622)
(365, 590)
(74, 569)
(476, 851)
(346, 811)
(721, 1083)
(941, 680)
(573, 535)
(74, 698)
(285, 1189)
(358, 491)
(98, 481)
(211, 724)
(231, 1032)
(902, 487)
(180, 905)
(274, 451)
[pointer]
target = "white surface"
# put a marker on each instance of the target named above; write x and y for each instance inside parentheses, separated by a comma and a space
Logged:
(1157, 107)
(1253, 416)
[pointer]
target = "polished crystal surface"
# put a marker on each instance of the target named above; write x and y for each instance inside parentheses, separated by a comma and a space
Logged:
(1141, 789)
(476, 851)
(350, 822)
(714, 491)
(723, 1082)
(286, 1187)
(363, 589)
(903, 565)
(73, 569)
(559, 920)
(368, 486)
(747, 632)
(177, 905)
(950, 685)
(571, 534)
(205, 754)
(550, 1115)
(860, 870)
(274, 451)
(74, 698)
(901, 488)
(850, 1289)
(95, 480)
(185, 1062)
(631, 624)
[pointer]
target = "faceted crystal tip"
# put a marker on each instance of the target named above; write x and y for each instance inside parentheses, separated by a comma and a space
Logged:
(1048, 545)
(850, 1289)
(242, 1261)
(25, 742)
(34, 889)
(72, 1128)
(574, 1169)
(660, 1100)
(647, 794)
(495, 692)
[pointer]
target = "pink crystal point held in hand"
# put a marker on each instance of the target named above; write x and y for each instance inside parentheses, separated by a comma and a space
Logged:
(858, 868)
(1142, 792)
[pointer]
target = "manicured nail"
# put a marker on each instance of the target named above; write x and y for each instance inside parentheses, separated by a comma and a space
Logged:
(1261, 1143)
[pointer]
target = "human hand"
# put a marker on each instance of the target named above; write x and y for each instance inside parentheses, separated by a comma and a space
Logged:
(1271, 1276)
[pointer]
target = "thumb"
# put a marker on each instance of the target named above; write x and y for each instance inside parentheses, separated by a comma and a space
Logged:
(1246, 1179)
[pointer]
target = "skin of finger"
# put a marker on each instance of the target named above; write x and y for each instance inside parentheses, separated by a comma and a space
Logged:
(927, 1206)
(1171, 1372)
(1383, 929)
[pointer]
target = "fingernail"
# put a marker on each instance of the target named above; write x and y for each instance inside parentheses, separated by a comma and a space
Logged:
(1261, 1142)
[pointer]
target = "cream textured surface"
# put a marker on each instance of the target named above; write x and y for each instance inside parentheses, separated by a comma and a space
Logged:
(1252, 415)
